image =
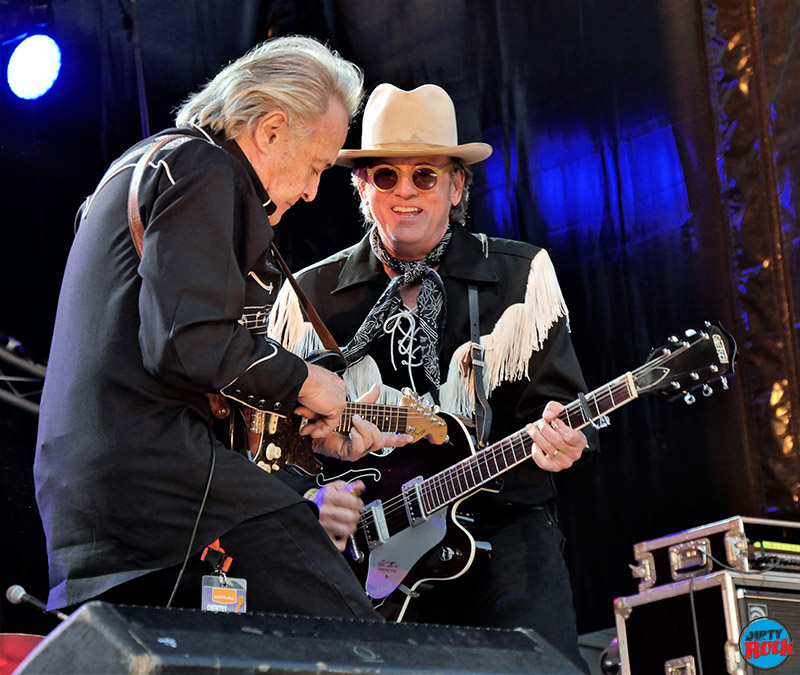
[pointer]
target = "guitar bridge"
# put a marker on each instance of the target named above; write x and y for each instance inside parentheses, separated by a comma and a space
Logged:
(261, 422)
(413, 502)
(373, 519)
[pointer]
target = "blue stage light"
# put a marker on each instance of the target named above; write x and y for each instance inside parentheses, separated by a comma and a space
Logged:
(34, 66)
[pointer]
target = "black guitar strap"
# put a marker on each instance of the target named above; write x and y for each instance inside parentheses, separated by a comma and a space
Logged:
(483, 412)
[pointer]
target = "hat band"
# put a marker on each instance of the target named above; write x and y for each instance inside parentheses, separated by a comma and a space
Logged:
(431, 147)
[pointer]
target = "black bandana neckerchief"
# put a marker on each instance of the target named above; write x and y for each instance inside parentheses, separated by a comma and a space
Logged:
(430, 304)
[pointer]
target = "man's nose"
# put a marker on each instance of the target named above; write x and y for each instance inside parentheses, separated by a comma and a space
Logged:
(405, 187)
(311, 189)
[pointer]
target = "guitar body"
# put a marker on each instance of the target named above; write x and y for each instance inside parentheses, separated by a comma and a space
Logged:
(440, 549)
(436, 548)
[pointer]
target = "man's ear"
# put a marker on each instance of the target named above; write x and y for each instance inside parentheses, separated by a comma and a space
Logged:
(458, 187)
(270, 129)
(362, 191)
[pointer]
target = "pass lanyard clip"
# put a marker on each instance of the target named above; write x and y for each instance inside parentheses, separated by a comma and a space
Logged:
(215, 556)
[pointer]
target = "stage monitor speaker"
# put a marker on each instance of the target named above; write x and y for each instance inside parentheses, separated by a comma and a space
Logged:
(104, 638)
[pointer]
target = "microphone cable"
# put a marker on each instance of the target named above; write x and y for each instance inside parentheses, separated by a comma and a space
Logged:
(196, 524)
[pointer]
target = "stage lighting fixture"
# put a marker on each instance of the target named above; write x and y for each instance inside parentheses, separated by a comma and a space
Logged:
(34, 66)
(30, 56)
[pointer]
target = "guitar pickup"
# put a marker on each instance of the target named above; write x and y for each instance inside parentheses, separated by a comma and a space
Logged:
(373, 519)
(413, 501)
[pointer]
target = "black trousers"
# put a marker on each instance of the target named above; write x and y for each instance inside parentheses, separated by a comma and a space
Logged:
(523, 582)
(290, 564)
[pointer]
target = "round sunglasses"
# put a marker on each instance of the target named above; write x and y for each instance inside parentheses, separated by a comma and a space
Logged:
(424, 177)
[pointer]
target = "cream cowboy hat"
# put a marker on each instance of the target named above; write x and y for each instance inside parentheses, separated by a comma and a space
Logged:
(422, 121)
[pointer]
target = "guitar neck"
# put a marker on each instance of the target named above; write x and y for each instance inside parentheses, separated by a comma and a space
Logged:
(387, 418)
(460, 479)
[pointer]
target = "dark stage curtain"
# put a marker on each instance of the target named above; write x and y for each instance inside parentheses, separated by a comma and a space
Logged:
(611, 128)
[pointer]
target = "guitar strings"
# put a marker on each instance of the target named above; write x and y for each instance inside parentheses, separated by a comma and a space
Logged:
(454, 477)
(372, 412)
(447, 478)
(437, 482)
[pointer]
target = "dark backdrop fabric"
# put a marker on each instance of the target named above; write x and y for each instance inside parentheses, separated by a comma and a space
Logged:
(605, 119)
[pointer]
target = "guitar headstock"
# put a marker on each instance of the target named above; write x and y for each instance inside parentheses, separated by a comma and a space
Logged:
(422, 419)
(685, 364)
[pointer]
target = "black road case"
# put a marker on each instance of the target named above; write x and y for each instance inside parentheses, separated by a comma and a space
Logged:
(693, 626)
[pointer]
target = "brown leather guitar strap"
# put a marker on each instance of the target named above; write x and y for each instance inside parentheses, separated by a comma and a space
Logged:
(217, 402)
(134, 215)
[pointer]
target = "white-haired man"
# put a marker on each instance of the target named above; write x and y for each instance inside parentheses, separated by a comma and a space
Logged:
(164, 300)
(400, 303)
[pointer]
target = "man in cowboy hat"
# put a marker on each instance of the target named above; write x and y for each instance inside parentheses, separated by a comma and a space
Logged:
(403, 302)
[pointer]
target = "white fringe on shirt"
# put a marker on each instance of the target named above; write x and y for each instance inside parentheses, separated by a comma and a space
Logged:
(287, 325)
(521, 329)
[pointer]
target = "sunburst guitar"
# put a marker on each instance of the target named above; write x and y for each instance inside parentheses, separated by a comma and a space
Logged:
(274, 442)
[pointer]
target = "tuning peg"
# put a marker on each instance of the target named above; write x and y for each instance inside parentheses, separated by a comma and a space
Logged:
(675, 385)
(724, 381)
(688, 398)
(694, 376)
(707, 390)
(714, 368)
(672, 338)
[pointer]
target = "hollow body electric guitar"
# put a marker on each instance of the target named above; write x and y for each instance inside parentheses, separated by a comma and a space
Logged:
(408, 533)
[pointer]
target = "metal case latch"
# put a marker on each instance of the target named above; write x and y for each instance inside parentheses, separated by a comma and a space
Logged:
(690, 558)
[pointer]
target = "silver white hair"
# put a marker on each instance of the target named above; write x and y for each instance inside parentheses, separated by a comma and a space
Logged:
(297, 75)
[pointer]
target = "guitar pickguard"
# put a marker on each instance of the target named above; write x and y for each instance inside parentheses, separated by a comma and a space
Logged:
(389, 563)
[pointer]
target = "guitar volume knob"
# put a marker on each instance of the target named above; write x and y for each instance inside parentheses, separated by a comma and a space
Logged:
(447, 553)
